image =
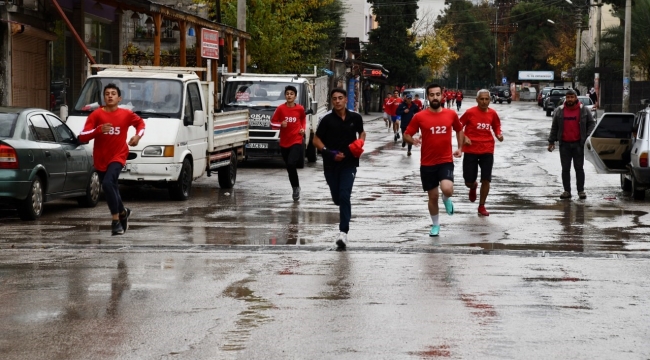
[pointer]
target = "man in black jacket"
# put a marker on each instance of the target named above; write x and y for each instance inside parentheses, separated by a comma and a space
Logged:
(406, 110)
(337, 130)
(572, 123)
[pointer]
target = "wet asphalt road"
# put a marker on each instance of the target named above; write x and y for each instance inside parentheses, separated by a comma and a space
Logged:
(246, 273)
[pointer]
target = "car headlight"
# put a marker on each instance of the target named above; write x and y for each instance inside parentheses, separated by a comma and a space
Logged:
(158, 150)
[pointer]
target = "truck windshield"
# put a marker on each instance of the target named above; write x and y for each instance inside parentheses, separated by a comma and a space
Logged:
(154, 96)
(257, 93)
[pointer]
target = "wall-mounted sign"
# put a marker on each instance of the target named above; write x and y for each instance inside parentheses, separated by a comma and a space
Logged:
(372, 72)
(209, 44)
(536, 75)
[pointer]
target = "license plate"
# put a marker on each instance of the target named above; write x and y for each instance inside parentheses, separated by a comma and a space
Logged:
(257, 145)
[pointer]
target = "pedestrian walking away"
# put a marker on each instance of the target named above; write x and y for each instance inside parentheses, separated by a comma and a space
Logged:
(594, 97)
(571, 125)
(393, 103)
(291, 119)
(406, 111)
(479, 123)
(367, 94)
(459, 99)
(336, 137)
(108, 126)
(436, 161)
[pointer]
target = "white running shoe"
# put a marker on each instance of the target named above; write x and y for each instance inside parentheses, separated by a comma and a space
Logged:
(342, 241)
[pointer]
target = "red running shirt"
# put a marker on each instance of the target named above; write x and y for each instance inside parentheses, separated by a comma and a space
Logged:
(478, 127)
(391, 106)
(436, 129)
(418, 102)
(296, 120)
(110, 147)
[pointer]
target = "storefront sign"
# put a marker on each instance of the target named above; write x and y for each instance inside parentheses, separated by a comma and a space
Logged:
(209, 44)
(536, 75)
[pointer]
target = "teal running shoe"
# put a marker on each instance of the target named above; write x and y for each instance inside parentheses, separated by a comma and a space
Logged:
(435, 230)
(449, 206)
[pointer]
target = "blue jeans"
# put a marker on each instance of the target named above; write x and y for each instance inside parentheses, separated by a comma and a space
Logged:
(340, 181)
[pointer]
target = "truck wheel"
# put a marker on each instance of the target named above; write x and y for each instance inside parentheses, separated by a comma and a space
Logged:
(311, 151)
(91, 198)
(32, 207)
(180, 190)
(228, 174)
(626, 184)
(637, 193)
(548, 112)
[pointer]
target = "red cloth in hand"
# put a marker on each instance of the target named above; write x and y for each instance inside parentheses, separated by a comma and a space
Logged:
(356, 148)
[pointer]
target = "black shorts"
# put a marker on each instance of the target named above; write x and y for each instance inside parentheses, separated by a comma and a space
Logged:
(471, 163)
(431, 176)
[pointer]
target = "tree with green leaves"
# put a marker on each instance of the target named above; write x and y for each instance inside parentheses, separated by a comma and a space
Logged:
(534, 32)
(288, 36)
(472, 40)
(391, 44)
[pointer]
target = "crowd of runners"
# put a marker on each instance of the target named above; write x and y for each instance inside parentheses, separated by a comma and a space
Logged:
(340, 138)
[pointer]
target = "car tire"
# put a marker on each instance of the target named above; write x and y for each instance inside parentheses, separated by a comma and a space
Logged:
(500, 101)
(32, 207)
(228, 174)
(180, 190)
(509, 101)
(548, 112)
(626, 184)
(637, 194)
(93, 189)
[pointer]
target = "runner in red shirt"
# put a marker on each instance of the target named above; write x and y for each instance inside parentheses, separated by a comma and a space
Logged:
(459, 99)
(108, 125)
(443, 100)
(436, 163)
(417, 101)
(479, 123)
(391, 107)
(386, 116)
(291, 119)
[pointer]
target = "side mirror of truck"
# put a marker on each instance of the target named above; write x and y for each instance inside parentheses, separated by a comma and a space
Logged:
(63, 113)
(313, 108)
(199, 117)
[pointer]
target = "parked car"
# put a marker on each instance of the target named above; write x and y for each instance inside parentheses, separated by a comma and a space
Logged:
(552, 99)
(500, 94)
(42, 160)
(542, 95)
(585, 101)
(620, 144)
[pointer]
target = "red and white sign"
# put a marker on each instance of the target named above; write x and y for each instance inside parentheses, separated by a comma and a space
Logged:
(209, 44)
(242, 96)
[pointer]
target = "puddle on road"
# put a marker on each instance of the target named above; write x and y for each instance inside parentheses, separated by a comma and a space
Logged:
(253, 316)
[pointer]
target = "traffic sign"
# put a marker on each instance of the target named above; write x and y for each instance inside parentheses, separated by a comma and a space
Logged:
(504, 80)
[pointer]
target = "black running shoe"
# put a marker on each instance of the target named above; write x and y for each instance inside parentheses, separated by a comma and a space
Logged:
(124, 219)
(116, 228)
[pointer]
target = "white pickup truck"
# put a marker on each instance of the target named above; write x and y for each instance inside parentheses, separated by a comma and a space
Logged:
(261, 94)
(184, 137)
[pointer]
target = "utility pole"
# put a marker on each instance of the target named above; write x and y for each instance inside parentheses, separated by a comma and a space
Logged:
(599, 6)
(578, 45)
(241, 25)
(626, 55)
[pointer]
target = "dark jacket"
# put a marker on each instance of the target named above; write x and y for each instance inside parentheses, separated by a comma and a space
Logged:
(587, 125)
(406, 117)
